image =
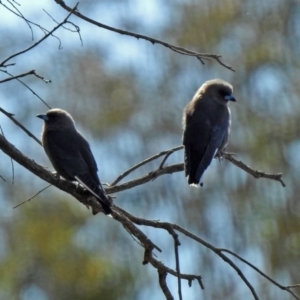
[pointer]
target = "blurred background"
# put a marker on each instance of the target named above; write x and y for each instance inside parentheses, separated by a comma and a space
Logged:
(127, 96)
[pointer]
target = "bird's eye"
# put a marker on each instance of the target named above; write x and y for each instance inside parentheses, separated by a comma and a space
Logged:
(223, 93)
(52, 117)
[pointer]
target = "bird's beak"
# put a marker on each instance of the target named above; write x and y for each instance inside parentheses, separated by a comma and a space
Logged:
(230, 98)
(44, 117)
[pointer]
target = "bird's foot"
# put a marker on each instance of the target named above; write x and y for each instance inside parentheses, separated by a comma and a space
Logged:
(56, 175)
(219, 156)
(231, 153)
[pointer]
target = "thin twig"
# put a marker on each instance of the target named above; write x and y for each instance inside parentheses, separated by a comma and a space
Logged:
(34, 93)
(174, 48)
(44, 30)
(8, 65)
(255, 173)
(144, 179)
(10, 116)
(11, 161)
(77, 29)
(41, 40)
(169, 152)
(32, 72)
(286, 288)
(162, 276)
(32, 196)
(178, 269)
(21, 16)
(293, 285)
(122, 176)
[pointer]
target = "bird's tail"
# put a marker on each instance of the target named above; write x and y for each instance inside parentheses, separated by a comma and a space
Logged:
(193, 181)
(96, 190)
(104, 201)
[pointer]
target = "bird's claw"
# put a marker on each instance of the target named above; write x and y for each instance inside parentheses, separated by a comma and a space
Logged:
(56, 175)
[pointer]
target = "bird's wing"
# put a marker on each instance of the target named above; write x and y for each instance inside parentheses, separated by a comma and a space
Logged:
(217, 134)
(196, 135)
(88, 158)
(89, 177)
(63, 153)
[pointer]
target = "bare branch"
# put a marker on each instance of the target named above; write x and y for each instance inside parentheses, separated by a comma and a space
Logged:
(176, 245)
(128, 221)
(255, 173)
(144, 179)
(41, 40)
(10, 116)
(30, 89)
(77, 29)
(8, 65)
(18, 13)
(162, 276)
(32, 196)
(32, 72)
(178, 168)
(87, 199)
(294, 285)
(180, 50)
(168, 152)
(29, 23)
(11, 161)
(286, 288)
(168, 226)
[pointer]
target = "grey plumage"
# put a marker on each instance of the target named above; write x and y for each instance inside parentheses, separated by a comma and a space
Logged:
(70, 153)
(206, 127)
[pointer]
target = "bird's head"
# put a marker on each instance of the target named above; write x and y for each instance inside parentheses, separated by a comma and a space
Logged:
(57, 119)
(219, 90)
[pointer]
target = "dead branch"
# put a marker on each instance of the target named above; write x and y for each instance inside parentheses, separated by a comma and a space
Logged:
(129, 222)
(30, 89)
(180, 50)
(41, 40)
(32, 72)
(178, 168)
(84, 197)
(10, 116)
(255, 173)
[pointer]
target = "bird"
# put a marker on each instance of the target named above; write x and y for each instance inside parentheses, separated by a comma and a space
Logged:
(70, 153)
(206, 126)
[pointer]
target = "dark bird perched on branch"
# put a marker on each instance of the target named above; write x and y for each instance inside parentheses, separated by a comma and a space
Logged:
(206, 127)
(70, 153)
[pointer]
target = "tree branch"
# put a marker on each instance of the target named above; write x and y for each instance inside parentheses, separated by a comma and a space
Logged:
(32, 72)
(128, 221)
(168, 226)
(167, 153)
(10, 116)
(41, 40)
(285, 288)
(174, 48)
(86, 198)
(30, 89)
(178, 168)
(162, 276)
(255, 173)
